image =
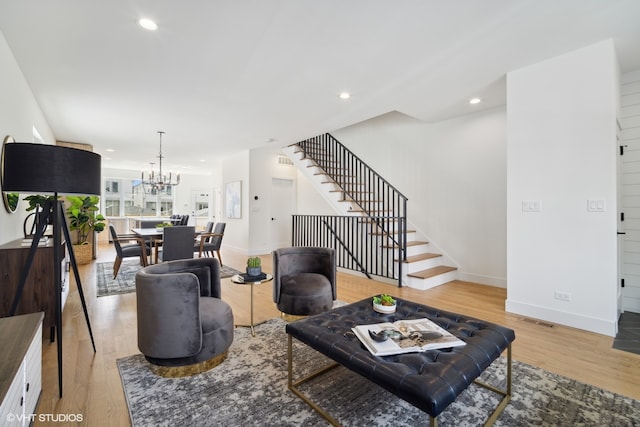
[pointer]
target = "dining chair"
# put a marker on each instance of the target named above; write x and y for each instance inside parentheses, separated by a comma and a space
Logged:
(212, 241)
(177, 243)
(139, 249)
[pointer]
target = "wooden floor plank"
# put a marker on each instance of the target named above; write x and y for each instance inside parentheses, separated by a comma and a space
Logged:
(92, 384)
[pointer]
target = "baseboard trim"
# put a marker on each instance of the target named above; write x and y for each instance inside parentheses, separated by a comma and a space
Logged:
(497, 282)
(574, 320)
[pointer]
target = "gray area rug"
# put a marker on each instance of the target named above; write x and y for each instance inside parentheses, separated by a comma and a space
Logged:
(250, 389)
(126, 280)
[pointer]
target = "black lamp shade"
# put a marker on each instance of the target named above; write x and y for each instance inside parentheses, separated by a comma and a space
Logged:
(40, 168)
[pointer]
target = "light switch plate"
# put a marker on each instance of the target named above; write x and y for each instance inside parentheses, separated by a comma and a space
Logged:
(595, 205)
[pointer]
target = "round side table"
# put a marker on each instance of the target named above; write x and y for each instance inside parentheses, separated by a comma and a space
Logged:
(239, 280)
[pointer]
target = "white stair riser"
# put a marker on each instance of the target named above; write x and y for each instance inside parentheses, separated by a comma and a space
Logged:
(423, 284)
(425, 264)
(417, 249)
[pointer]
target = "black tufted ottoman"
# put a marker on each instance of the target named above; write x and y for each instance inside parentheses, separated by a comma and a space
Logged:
(431, 380)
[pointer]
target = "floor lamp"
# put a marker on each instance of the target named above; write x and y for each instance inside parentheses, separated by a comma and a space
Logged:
(51, 169)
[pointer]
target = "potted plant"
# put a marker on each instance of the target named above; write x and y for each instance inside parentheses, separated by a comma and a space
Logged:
(84, 219)
(384, 303)
(36, 200)
(254, 266)
(162, 225)
(36, 203)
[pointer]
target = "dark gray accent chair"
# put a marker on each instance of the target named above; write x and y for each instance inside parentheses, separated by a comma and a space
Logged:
(177, 242)
(304, 280)
(126, 249)
(181, 318)
(210, 242)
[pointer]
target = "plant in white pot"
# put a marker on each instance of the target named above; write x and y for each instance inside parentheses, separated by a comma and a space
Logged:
(384, 303)
(84, 219)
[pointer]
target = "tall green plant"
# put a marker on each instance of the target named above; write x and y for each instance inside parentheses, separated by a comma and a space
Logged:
(84, 217)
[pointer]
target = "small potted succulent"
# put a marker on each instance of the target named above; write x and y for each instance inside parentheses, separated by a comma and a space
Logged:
(384, 303)
(254, 266)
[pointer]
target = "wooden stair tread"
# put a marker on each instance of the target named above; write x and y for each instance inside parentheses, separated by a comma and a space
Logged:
(420, 257)
(432, 272)
(385, 233)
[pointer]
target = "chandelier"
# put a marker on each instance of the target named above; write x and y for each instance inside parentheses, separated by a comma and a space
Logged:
(158, 182)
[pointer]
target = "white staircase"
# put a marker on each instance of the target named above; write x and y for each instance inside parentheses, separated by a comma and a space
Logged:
(422, 269)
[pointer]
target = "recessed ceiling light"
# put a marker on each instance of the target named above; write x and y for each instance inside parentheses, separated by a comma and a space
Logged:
(148, 24)
(344, 95)
(473, 101)
(110, 150)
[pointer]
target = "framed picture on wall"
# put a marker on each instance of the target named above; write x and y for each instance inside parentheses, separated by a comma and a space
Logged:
(233, 199)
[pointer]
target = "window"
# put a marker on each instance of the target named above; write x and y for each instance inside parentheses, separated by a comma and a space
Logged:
(111, 187)
(111, 207)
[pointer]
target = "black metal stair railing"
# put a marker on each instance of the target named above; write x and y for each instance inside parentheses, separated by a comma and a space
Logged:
(357, 248)
(381, 226)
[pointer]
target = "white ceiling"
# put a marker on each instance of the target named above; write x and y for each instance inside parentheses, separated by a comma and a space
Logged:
(221, 76)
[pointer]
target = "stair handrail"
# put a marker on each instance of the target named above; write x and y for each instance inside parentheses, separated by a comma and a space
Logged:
(350, 165)
(356, 248)
(356, 179)
(324, 165)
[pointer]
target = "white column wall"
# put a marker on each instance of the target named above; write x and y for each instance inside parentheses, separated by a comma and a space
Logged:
(561, 116)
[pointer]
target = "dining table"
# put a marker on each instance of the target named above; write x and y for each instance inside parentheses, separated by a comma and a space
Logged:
(151, 235)
(148, 233)
(154, 236)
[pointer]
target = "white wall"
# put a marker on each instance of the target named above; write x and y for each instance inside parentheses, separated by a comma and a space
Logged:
(561, 151)
(309, 201)
(19, 113)
(236, 234)
(264, 167)
(454, 175)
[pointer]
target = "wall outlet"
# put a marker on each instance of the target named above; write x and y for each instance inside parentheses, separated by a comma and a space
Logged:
(531, 206)
(562, 296)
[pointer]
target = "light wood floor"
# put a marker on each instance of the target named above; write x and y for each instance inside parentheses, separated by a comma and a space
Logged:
(92, 386)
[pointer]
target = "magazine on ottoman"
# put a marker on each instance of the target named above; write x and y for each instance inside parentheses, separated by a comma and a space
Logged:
(405, 336)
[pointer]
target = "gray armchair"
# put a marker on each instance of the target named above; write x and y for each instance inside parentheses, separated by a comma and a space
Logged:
(304, 280)
(181, 318)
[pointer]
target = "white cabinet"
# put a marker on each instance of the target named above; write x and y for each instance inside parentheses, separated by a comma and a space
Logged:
(20, 368)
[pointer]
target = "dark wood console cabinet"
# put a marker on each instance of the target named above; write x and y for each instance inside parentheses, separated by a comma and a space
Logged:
(39, 291)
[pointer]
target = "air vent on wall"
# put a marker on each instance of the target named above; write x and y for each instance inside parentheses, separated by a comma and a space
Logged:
(284, 160)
